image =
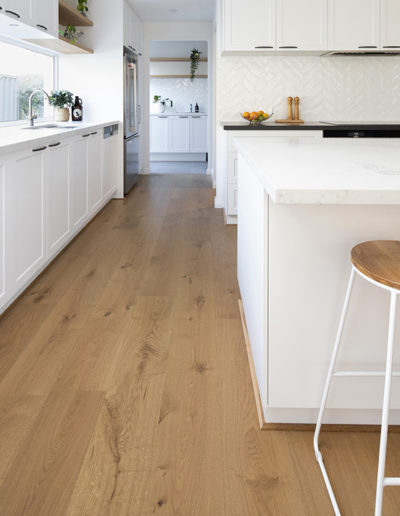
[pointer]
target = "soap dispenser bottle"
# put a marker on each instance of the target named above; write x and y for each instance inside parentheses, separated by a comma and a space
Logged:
(196, 108)
(77, 110)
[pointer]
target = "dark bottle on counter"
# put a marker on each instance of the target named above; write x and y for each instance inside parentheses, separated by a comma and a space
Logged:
(77, 110)
(196, 108)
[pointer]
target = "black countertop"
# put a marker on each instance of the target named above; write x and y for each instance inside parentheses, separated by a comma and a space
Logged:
(311, 126)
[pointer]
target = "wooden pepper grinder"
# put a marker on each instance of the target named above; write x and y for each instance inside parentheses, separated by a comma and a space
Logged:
(290, 119)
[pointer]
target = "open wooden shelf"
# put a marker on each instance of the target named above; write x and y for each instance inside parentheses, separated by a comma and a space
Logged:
(175, 59)
(177, 77)
(68, 15)
(62, 45)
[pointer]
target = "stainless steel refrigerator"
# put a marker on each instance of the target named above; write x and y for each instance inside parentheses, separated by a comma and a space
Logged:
(132, 115)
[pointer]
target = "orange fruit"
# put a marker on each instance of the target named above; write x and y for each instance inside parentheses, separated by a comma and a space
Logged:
(246, 115)
(254, 115)
(260, 113)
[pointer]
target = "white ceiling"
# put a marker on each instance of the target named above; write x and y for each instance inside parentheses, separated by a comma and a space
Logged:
(177, 48)
(187, 10)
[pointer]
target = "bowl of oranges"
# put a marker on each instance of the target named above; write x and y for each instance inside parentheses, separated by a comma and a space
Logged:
(256, 117)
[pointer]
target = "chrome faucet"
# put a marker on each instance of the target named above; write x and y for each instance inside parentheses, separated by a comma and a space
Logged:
(31, 117)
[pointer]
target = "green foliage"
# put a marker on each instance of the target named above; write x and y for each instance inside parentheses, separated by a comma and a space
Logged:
(194, 62)
(26, 85)
(82, 6)
(61, 99)
(70, 33)
(158, 99)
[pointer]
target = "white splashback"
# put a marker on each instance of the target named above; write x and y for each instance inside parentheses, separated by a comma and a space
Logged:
(331, 88)
(182, 91)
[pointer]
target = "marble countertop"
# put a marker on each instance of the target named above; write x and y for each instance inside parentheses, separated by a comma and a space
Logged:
(243, 125)
(325, 171)
(14, 138)
(178, 113)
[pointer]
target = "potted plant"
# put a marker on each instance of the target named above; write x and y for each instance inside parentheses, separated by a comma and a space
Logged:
(61, 100)
(161, 103)
(82, 7)
(194, 63)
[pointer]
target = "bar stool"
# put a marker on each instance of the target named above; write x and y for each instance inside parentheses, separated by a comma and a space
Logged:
(379, 263)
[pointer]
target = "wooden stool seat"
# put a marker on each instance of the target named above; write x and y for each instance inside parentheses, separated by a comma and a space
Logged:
(379, 260)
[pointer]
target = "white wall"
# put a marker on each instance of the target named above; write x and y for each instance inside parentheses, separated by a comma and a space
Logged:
(176, 32)
(98, 77)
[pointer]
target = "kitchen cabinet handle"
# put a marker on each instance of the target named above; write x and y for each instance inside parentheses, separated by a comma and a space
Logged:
(183, 117)
(85, 135)
(39, 149)
(13, 13)
(54, 145)
(41, 26)
(368, 46)
(392, 46)
(288, 46)
(92, 134)
(262, 46)
(162, 117)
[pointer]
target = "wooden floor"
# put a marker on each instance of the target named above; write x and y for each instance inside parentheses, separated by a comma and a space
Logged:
(125, 388)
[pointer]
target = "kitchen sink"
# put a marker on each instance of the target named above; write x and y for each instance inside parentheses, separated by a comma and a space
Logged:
(50, 126)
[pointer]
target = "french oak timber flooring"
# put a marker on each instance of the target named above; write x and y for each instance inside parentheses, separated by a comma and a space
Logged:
(125, 387)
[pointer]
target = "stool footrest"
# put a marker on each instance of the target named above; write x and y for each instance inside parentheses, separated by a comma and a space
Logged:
(344, 374)
(394, 481)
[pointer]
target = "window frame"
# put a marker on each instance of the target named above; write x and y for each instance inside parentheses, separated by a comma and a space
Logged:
(38, 50)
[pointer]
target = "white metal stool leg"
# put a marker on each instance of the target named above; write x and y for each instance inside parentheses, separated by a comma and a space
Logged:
(385, 413)
(326, 392)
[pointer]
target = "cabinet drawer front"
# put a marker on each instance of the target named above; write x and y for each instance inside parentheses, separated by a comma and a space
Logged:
(232, 199)
(233, 160)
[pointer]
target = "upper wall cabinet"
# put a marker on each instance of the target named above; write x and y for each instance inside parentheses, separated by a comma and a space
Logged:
(133, 30)
(17, 9)
(390, 23)
(302, 25)
(45, 16)
(249, 26)
(354, 25)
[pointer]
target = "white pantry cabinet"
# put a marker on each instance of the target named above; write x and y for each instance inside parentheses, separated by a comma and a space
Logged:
(302, 25)
(249, 26)
(79, 182)
(94, 171)
(198, 134)
(390, 23)
(133, 30)
(159, 133)
(110, 166)
(25, 218)
(179, 134)
(56, 168)
(354, 25)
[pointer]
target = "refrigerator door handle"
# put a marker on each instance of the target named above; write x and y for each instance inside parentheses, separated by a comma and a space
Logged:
(140, 114)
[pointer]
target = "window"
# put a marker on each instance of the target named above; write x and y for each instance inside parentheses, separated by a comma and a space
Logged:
(21, 72)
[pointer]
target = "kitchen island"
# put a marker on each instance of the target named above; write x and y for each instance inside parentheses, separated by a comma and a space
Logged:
(303, 204)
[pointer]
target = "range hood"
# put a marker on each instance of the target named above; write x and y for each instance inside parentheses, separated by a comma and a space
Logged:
(391, 51)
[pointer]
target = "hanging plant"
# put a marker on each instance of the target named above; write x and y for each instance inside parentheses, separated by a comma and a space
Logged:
(82, 7)
(194, 63)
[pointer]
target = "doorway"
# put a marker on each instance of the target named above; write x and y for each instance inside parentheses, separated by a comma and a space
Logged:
(179, 107)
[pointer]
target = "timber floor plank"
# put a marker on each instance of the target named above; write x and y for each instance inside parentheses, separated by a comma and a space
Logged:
(125, 387)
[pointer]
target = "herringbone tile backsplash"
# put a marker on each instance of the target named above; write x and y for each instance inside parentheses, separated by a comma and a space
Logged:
(331, 88)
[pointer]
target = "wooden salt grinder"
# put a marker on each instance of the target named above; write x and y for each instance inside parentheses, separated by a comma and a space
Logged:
(290, 108)
(297, 108)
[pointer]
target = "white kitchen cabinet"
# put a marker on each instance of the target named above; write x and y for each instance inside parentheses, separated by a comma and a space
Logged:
(18, 10)
(94, 171)
(78, 182)
(179, 134)
(249, 26)
(25, 218)
(354, 25)
(2, 235)
(302, 25)
(110, 166)
(232, 199)
(44, 16)
(133, 30)
(159, 134)
(56, 167)
(390, 23)
(198, 134)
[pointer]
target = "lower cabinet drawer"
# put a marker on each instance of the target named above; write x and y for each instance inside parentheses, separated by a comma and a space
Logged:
(232, 199)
